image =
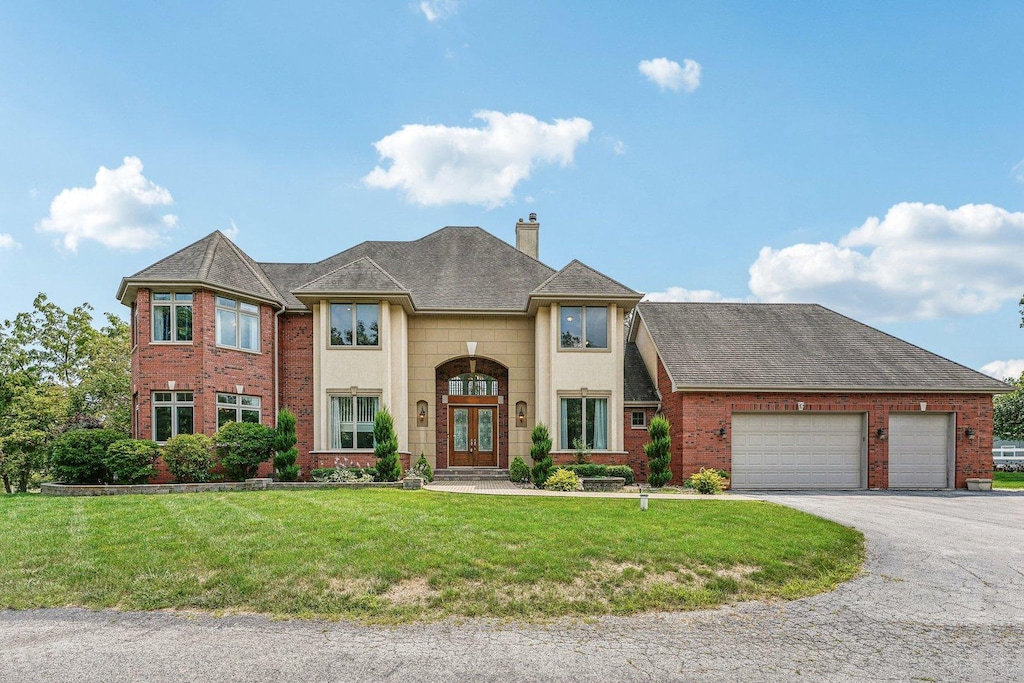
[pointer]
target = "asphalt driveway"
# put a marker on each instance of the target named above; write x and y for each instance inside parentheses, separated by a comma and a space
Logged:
(941, 598)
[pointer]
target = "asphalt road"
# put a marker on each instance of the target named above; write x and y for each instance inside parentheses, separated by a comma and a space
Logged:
(941, 598)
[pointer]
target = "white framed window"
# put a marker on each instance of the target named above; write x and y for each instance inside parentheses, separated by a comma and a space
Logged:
(351, 421)
(638, 419)
(238, 324)
(237, 408)
(172, 316)
(583, 327)
(173, 414)
(355, 324)
(584, 418)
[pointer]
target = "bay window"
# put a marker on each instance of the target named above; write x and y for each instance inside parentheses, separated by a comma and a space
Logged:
(237, 408)
(238, 324)
(172, 316)
(173, 414)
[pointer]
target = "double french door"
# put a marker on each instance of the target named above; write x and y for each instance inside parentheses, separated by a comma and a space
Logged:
(471, 436)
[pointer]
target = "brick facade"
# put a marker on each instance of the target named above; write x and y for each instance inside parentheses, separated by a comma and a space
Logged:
(295, 378)
(696, 418)
(199, 366)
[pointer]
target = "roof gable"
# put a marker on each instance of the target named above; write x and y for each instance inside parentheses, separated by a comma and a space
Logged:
(577, 278)
(361, 275)
(793, 346)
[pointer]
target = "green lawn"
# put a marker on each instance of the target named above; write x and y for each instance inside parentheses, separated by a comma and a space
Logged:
(395, 556)
(1008, 480)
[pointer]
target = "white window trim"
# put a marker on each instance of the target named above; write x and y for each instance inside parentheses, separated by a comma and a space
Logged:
(239, 313)
(355, 396)
(237, 406)
(632, 424)
(173, 304)
(173, 404)
(609, 314)
(355, 318)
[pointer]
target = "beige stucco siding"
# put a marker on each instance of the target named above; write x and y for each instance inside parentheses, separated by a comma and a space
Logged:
(648, 352)
(599, 371)
(436, 339)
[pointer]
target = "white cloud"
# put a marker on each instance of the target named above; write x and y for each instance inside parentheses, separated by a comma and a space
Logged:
(438, 9)
(437, 165)
(619, 147)
(1004, 369)
(920, 261)
(122, 210)
(669, 75)
(232, 232)
(1017, 172)
(682, 294)
(7, 241)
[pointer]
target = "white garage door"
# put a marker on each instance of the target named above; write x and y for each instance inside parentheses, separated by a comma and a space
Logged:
(797, 451)
(919, 451)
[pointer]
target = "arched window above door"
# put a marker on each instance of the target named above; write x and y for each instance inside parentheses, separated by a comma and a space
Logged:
(472, 384)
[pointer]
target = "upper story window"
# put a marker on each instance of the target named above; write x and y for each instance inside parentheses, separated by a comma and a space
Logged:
(584, 327)
(173, 414)
(237, 408)
(355, 324)
(172, 316)
(238, 324)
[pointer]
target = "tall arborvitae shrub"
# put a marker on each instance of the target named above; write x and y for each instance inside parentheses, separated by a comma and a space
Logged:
(284, 445)
(385, 446)
(540, 451)
(658, 452)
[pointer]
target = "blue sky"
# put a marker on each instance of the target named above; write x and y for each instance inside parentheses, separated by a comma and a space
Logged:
(867, 157)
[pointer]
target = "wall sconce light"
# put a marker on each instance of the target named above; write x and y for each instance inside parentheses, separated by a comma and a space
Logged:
(720, 432)
(799, 405)
(881, 434)
(521, 414)
(969, 432)
(421, 413)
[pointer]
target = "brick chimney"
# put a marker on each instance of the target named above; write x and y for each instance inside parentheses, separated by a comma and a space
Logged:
(527, 236)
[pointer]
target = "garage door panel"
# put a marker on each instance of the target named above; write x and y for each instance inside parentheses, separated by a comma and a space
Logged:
(919, 450)
(793, 451)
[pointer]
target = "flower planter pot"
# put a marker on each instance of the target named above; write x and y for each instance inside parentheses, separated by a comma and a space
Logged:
(977, 484)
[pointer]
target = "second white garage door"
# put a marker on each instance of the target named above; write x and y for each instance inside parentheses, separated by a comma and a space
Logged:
(797, 451)
(919, 450)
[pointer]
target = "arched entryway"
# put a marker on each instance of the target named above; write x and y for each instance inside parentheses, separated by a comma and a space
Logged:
(472, 413)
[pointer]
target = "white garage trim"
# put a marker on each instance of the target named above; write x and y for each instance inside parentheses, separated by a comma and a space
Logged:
(799, 450)
(921, 450)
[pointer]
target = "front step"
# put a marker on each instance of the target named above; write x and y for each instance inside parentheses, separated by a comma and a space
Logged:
(471, 474)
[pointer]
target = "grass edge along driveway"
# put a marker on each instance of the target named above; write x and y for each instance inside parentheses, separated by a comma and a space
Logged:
(1008, 480)
(385, 556)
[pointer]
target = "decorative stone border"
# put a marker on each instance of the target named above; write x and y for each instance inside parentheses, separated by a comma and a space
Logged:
(247, 485)
(603, 484)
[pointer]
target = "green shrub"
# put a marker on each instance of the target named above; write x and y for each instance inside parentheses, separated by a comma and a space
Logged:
(422, 469)
(242, 447)
(562, 480)
(624, 471)
(581, 451)
(541, 454)
(284, 444)
(658, 452)
(707, 481)
(189, 457)
(131, 461)
(385, 446)
(77, 456)
(518, 471)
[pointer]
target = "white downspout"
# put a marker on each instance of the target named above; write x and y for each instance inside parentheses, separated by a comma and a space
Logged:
(277, 357)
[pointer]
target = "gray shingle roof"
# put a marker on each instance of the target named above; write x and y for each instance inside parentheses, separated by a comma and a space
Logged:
(638, 385)
(579, 278)
(214, 260)
(794, 346)
(362, 275)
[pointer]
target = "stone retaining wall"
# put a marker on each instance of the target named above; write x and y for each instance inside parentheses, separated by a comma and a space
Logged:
(248, 485)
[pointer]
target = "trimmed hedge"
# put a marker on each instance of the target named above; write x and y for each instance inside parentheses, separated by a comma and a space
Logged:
(131, 461)
(593, 470)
